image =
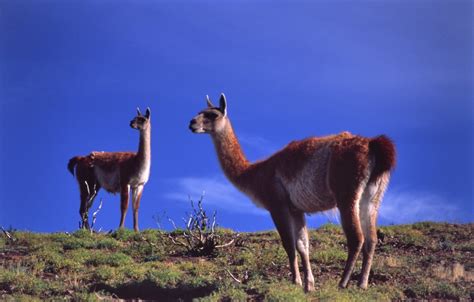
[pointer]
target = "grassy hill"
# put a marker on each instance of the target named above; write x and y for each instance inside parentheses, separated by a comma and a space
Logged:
(419, 261)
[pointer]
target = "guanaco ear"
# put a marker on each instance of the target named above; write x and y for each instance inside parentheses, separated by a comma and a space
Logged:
(223, 104)
(209, 103)
(138, 112)
(148, 113)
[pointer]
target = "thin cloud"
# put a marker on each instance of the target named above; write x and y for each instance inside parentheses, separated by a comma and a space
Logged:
(409, 207)
(218, 192)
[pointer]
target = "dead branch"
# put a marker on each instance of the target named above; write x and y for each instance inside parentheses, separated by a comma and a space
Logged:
(94, 216)
(177, 242)
(233, 277)
(225, 244)
(9, 236)
(172, 222)
(91, 196)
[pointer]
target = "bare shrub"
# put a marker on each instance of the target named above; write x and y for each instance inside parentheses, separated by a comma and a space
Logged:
(199, 237)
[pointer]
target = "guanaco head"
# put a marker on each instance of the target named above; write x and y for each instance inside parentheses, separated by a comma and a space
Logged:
(212, 119)
(141, 122)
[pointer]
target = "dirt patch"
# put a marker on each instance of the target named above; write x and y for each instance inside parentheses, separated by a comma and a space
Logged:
(147, 290)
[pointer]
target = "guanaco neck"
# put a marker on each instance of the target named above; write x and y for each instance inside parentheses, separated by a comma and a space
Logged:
(230, 154)
(144, 147)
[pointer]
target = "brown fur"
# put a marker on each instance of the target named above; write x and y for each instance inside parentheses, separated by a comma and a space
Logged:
(344, 166)
(125, 161)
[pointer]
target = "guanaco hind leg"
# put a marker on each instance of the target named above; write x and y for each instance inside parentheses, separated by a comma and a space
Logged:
(369, 205)
(89, 189)
(352, 228)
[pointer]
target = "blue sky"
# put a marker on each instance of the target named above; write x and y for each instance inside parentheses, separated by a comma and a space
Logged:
(73, 72)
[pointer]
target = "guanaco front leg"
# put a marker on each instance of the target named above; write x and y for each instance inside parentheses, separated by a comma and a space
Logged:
(136, 196)
(286, 228)
(124, 195)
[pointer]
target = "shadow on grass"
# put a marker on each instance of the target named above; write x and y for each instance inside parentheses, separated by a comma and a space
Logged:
(148, 290)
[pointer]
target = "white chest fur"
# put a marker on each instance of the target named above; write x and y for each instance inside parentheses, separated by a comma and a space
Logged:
(142, 176)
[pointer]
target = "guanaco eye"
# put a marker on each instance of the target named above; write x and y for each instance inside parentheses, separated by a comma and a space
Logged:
(210, 115)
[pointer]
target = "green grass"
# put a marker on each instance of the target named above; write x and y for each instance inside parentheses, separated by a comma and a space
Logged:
(329, 256)
(89, 267)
